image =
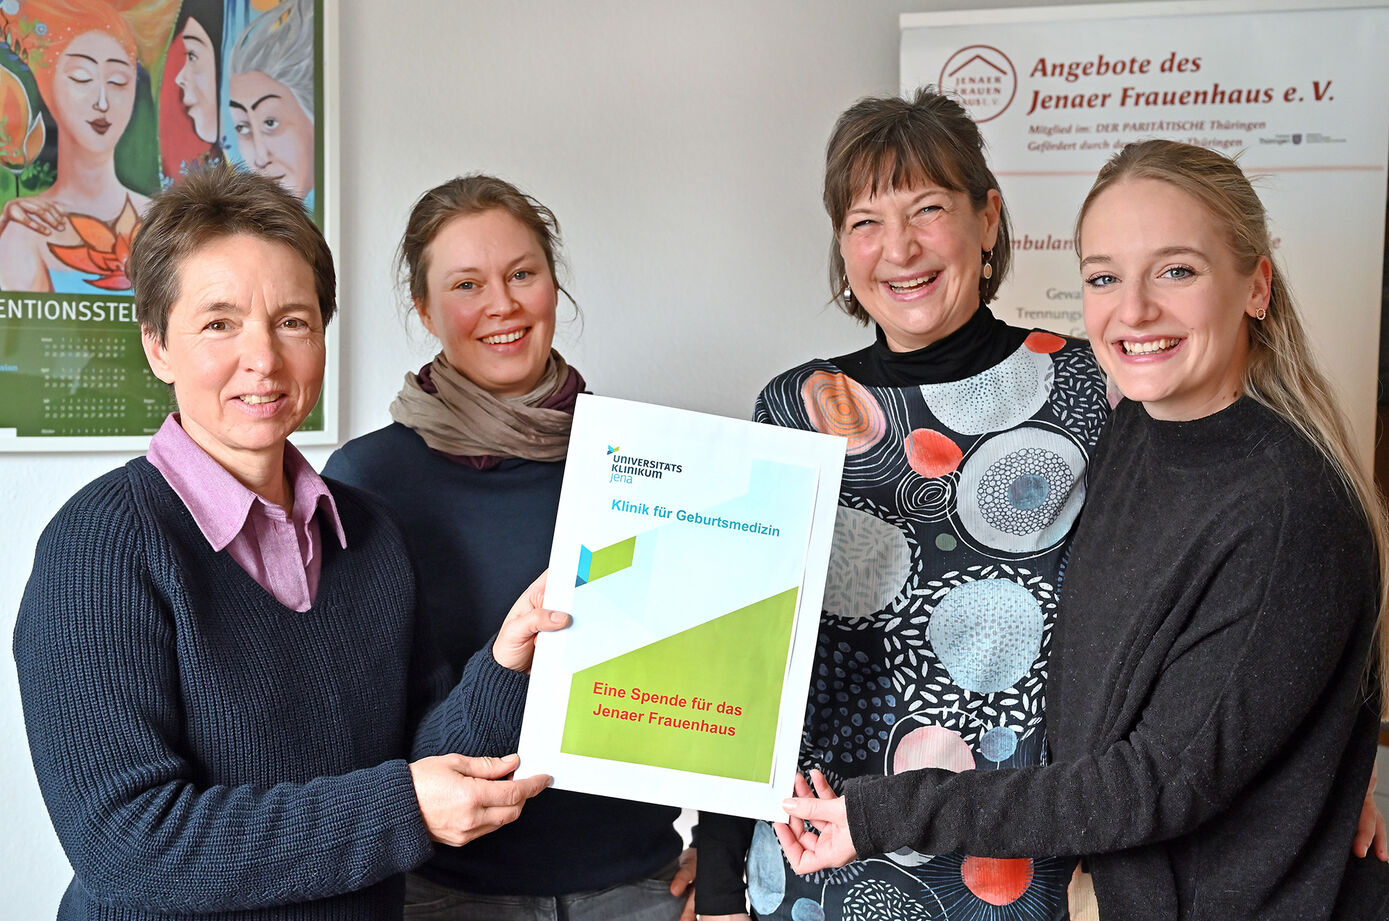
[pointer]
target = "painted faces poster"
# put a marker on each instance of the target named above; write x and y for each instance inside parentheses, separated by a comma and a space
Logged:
(103, 103)
(1293, 89)
(691, 552)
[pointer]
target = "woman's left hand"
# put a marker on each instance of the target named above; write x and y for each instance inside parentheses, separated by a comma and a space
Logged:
(827, 813)
(514, 646)
(683, 882)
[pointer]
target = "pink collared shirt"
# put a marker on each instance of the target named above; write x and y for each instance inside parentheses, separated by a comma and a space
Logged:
(279, 551)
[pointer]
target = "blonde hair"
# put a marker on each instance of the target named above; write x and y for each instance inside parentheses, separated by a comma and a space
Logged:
(1282, 373)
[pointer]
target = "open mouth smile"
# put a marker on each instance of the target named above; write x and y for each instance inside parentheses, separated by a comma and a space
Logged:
(907, 286)
(1150, 347)
(504, 338)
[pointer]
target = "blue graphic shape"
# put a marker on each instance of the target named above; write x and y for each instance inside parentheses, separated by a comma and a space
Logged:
(585, 565)
(998, 744)
(766, 871)
(806, 910)
(987, 634)
(1029, 491)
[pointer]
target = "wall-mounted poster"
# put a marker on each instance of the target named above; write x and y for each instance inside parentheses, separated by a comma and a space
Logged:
(102, 104)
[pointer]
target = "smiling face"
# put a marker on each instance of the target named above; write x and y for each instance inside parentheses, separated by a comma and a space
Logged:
(275, 135)
(490, 301)
(244, 349)
(93, 92)
(1166, 306)
(913, 257)
(197, 80)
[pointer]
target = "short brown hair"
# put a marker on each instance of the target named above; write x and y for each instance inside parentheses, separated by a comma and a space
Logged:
(209, 204)
(465, 195)
(894, 143)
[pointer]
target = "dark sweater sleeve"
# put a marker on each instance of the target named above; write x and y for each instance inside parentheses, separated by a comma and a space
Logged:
(1250, 665)
(97, 660)
(481, 715)
(722, 842)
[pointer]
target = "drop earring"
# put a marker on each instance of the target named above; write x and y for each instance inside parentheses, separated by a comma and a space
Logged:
(988, 265)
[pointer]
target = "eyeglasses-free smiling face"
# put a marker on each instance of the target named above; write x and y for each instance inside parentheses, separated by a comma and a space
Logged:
(914, 257)
(1166, 305)
(490, 300)
(244, 349)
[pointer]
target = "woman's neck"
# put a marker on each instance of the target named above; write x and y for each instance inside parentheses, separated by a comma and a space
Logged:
(87, 181)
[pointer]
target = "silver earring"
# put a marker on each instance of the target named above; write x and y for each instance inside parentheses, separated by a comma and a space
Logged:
(988, 265)
(845, 291)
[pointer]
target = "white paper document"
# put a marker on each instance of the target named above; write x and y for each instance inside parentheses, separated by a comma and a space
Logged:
(691, 551)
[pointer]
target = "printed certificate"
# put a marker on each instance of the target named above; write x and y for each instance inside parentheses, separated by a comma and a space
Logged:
(691, 552)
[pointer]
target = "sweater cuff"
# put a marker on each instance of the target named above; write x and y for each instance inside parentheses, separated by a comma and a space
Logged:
(722, 844)
(875, 806)
(500, 694)
(409, 839)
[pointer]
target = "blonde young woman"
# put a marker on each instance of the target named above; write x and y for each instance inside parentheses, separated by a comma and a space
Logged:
(1215, 693)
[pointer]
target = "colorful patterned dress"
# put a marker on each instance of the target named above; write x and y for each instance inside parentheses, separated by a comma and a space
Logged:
(957, 503)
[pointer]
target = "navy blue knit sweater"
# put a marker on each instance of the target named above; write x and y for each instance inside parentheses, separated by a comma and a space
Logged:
(201, 748)
(478, 538)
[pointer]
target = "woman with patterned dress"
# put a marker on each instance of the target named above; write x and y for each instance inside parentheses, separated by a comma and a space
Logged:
(968, 441)
(1217, 667)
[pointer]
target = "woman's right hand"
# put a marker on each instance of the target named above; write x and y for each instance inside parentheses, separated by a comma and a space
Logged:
(514, 646)
(463, 798)
(38, 214)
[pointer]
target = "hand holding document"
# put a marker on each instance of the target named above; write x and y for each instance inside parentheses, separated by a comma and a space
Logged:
(691, 552)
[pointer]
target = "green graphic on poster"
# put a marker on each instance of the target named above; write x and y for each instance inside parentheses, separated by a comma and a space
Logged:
(662, 704)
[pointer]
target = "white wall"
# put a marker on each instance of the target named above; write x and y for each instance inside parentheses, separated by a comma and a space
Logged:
(680, 144)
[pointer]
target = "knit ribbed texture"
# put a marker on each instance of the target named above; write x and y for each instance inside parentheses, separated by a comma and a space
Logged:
(478, 538)
(1208, 712)
(201, 748)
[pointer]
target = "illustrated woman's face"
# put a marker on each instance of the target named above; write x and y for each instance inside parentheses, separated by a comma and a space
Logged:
(93, 91)
(914, 256)
(197, 80)
(1166, 305)
(490, 300)
(274, 133)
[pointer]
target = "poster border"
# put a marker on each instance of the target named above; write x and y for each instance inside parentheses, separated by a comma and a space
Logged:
(1142, 8)
(328, 42)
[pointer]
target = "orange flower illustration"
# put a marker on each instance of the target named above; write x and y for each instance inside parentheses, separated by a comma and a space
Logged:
(104, 248)
(21, 129)
(839, 405)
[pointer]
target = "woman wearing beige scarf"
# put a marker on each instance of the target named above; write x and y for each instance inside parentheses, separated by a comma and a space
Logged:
(472, 466)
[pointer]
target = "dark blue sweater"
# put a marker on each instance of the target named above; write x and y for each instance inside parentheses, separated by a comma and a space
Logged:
(478, 538)
(201, 748)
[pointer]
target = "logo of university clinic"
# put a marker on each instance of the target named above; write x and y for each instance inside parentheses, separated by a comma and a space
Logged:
(613, 449)
(983, 78)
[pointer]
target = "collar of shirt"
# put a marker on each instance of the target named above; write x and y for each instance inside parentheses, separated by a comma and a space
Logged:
(219, 503)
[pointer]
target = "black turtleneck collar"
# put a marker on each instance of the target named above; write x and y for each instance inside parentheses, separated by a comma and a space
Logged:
(977, 346)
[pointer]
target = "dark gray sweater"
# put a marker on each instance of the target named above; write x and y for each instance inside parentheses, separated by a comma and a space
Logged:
(204, 750)
(1208, 711)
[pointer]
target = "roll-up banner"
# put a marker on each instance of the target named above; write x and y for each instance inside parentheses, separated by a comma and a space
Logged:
(1295, 91)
